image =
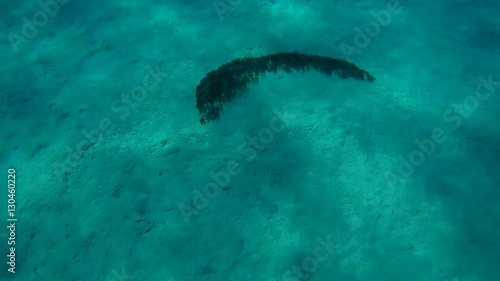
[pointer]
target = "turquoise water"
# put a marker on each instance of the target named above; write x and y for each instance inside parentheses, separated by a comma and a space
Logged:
(304, 177)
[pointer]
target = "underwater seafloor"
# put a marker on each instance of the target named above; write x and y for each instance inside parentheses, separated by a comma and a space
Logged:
(305, 177)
